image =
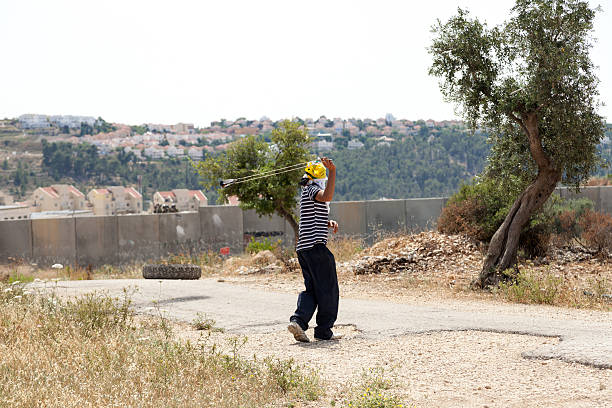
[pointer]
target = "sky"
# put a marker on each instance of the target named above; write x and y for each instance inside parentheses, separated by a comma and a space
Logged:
(134, 62)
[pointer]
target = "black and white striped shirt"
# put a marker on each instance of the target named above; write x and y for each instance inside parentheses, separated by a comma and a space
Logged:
(314, 216)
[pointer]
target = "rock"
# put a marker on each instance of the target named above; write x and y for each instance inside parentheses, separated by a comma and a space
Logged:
(264, 258)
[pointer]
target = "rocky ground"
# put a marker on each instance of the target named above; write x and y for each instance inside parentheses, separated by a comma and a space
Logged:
(429, 265)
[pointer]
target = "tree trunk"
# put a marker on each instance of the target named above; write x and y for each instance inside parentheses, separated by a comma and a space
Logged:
(501, 254)
(502, 250)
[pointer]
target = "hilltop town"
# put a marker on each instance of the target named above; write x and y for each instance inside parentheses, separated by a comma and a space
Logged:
(48, 165)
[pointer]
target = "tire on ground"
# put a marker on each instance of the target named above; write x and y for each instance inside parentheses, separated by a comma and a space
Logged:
(171, 271)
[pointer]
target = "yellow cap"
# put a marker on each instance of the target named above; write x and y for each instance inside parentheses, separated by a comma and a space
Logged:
(315, 170)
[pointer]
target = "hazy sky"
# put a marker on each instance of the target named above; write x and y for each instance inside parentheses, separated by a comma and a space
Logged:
(197, 61)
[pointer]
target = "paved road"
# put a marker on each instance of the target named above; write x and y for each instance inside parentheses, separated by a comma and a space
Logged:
(244, 310)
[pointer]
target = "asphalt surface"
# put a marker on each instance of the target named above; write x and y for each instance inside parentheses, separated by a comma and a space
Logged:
(244, 310)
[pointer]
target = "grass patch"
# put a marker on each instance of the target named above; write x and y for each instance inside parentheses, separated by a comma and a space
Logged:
(201, 322)
(90, 351)
(543, 286)
(373, 392)
(345, 248)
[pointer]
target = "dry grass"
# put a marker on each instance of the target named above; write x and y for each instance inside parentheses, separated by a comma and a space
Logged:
(91, 352)
(345, 248)
(544, 285)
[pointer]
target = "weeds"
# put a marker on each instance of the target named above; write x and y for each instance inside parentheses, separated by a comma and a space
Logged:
(345, 248)
(372, 392)
(90, 351)
(547, 287)
(291, 379)
(264, 245)
(201, 322)
(530, 287)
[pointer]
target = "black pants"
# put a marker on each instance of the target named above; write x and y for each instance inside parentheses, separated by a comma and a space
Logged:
(321, 282)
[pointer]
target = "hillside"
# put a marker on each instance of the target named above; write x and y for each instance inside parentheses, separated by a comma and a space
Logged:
(422, 161)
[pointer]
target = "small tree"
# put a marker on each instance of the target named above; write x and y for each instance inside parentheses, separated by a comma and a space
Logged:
(529, 81)
(250, 156)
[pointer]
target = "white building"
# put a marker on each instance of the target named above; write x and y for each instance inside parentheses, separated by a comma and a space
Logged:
(30, 121)
(355, 144)
(195, 153)
(154, 152)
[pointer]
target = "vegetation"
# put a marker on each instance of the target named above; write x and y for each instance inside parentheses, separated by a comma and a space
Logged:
(255, 246)
(251, 156)
(373, 392)
(91, 351)
(531, 82)
(432, 163)
(84, 166)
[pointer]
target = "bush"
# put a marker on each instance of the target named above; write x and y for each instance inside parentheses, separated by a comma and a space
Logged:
(535, 240)
(477, 210)
(255, 246)
(531, 287)
(596, 231)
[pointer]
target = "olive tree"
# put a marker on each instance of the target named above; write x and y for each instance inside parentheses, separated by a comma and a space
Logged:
(531, 83)
(251, 156)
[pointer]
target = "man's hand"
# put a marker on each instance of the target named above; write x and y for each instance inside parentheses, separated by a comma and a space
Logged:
(328, 163)
(332, 224)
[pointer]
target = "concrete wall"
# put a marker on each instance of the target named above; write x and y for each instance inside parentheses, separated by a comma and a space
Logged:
(179, 233)
(16, 239)
(130, 238)
(96, 240)
(54, 240)
(138, 237)
(221, 226)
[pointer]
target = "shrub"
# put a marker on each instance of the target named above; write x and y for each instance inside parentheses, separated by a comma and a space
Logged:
(596, 231)
(477, 210)
(266, 244)
(531, 287)
(535, 240)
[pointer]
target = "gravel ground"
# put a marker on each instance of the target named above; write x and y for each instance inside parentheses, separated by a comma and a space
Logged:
(444, 369)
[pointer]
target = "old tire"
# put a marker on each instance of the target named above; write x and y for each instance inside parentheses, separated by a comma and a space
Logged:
(171, 271)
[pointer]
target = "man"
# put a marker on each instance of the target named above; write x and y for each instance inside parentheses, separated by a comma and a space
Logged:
(317, 262)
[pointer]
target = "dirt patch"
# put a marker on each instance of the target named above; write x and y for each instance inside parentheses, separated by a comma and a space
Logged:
(440, 369)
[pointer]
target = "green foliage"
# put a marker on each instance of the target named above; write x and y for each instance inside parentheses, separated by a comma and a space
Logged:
(531, 287)
(291, 379)
(536, 67)
(372, 392)
(201, 322)
(139, 129)
(82, 164)
(264, 245)
(431, 164)
(478, 209)
(251, 155)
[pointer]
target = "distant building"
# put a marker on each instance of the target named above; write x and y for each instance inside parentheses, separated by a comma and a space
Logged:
(195, 153)
(60, 214)
(115, 200)
(30, 121)
(183, 199)
(355, 144)
(233, 200)
(174, 151)
(58, 197)
(72, 121)
(323, 146)
(183, 128)
(154, 152)
(14, 212)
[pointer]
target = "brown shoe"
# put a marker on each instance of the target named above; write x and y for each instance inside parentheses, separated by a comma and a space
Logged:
(298, 332)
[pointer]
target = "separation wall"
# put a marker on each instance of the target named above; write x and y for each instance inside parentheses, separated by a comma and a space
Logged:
(144, 237)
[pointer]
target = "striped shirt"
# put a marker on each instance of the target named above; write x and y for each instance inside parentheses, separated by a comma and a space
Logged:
(314, 216)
